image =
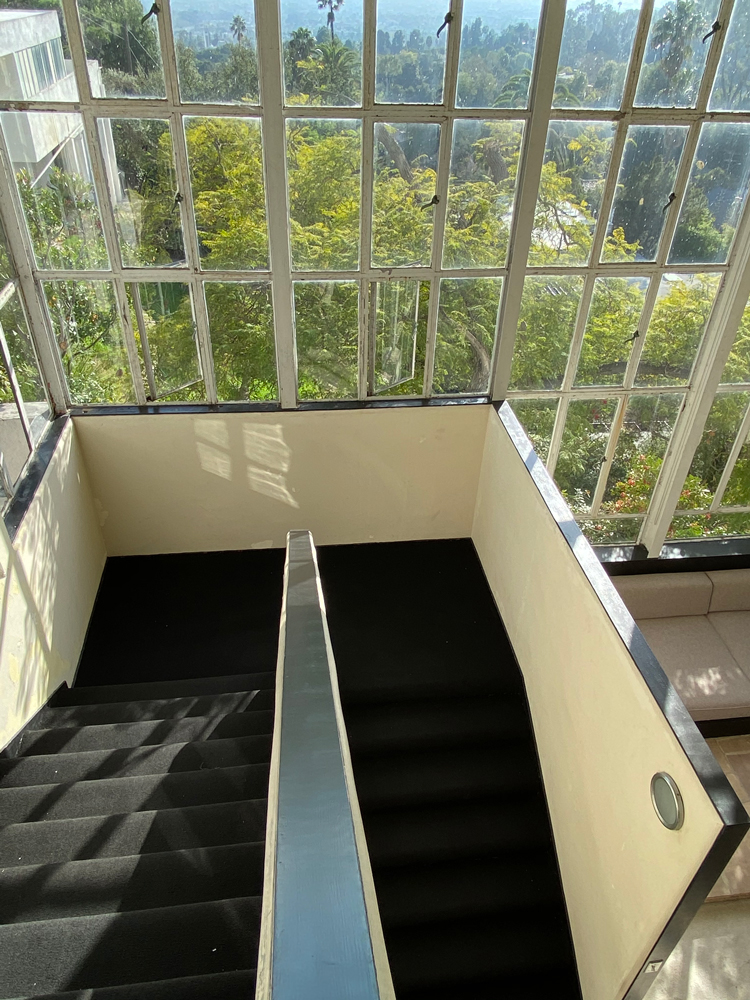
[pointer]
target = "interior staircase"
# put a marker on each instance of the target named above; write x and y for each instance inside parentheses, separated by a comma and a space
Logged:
(132, 842)
(447, 776)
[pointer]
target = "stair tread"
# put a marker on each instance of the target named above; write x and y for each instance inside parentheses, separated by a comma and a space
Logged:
(190, 687)
(131, 947)
(159, 731)
(216, 986)
(89, 765)
(134, 882)
(142, 832)
(68, 800)
(142, 710)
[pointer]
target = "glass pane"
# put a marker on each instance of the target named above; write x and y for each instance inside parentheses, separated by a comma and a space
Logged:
(240, 315)
(645, 433)
(89, 337)
(538, 418)
(14, 448)
(7, 270)
(708, 525)
(324, 193)
(25, 365)
(327, 329)
(35, 62)
(226, 173)
(122, 49)
(322, 52)
(410, 58)
(582, 449)
(576, 161)
(216, 56)
(54, 176)
(737, 368)
(405, 178)
(467, 319)
(711, 456)
(162, 316)
(143, 187)
(715, 195)
(676, 328)
(549, 307)
(400, 329)
(497, 52)
(480, 193)
(647, 175)
(611, 530)
(611, 330)
(675, 54)
(732, 85)
(596, 44)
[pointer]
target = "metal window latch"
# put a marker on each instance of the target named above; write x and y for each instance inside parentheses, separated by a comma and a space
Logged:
(669, 201)
(716, 26)
(447, 20)
(155, 9)
(177, 199)
(435, 200)
(635, 336)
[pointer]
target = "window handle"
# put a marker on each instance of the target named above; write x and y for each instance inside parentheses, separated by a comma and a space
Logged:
(446, 20)
(155, 9)
(669, 202)
(716, 26)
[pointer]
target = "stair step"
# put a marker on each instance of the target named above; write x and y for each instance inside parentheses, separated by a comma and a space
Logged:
(455, 890)
(431, 832)
(136, 882)
(88, 765)
(444, 773)
(143, 711)
(434, 722)
(142, 792)
(143, 832)
(219, 986)
(141, 945)
(556, 980)
(459, 951)
(130, 734)
(189, 688)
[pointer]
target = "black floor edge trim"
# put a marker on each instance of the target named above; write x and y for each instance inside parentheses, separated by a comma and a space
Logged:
(303, 406)
(713, 728)
(32, 477)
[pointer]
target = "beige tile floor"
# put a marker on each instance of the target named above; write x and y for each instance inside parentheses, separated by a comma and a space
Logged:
(733, 753)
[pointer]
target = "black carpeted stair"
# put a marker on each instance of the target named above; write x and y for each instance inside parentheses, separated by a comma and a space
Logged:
(447, 776)
(132, 826)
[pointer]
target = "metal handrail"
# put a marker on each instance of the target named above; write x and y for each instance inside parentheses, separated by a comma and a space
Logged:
(321, 936)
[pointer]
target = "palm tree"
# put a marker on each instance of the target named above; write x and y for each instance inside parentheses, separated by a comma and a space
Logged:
(333, 6)
(332, 72)
(674, 33)
(239, 28)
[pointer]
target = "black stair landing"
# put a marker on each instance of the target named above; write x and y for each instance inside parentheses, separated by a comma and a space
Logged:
(447, 776)
(132, 842)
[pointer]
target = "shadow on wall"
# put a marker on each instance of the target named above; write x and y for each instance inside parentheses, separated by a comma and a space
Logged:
(268, 457)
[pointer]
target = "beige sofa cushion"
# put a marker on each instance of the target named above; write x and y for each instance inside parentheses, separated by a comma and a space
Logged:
(662, 595)
(694, 657)
(731, 590)
(734, 629)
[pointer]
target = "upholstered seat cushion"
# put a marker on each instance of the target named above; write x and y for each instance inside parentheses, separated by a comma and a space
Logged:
(699, 664)
(731, 590)
(662, 595)
(734, 628)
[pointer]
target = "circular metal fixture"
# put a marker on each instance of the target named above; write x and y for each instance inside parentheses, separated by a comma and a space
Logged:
(667, 800)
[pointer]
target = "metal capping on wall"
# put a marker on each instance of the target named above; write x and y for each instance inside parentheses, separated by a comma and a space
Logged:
(321, 936)
(715, 783)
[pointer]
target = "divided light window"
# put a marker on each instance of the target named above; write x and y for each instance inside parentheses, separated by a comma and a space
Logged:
(322, 200)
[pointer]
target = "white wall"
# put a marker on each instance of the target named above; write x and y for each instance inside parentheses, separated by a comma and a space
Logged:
(599, 732)
(51, 575)
(182, 482)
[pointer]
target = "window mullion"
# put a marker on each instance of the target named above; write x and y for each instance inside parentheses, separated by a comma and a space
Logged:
(644, 320)
(714, 55)
(15, 389)
(734, 454)
(557, 432)
(579, 330)
(721, 330)
(143, 334)
(441, 190)
(541, 94)
(609, 455)
(365, 249)
(31, 293)
(270, 53)
(369, 54)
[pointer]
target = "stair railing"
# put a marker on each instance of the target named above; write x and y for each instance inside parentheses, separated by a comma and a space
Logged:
(321, 936)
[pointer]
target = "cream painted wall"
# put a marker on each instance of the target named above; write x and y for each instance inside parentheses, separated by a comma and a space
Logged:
(600, 734)
(182, 482)
(51, 575)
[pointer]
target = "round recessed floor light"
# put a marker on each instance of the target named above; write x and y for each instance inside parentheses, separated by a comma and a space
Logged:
(667, 800)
